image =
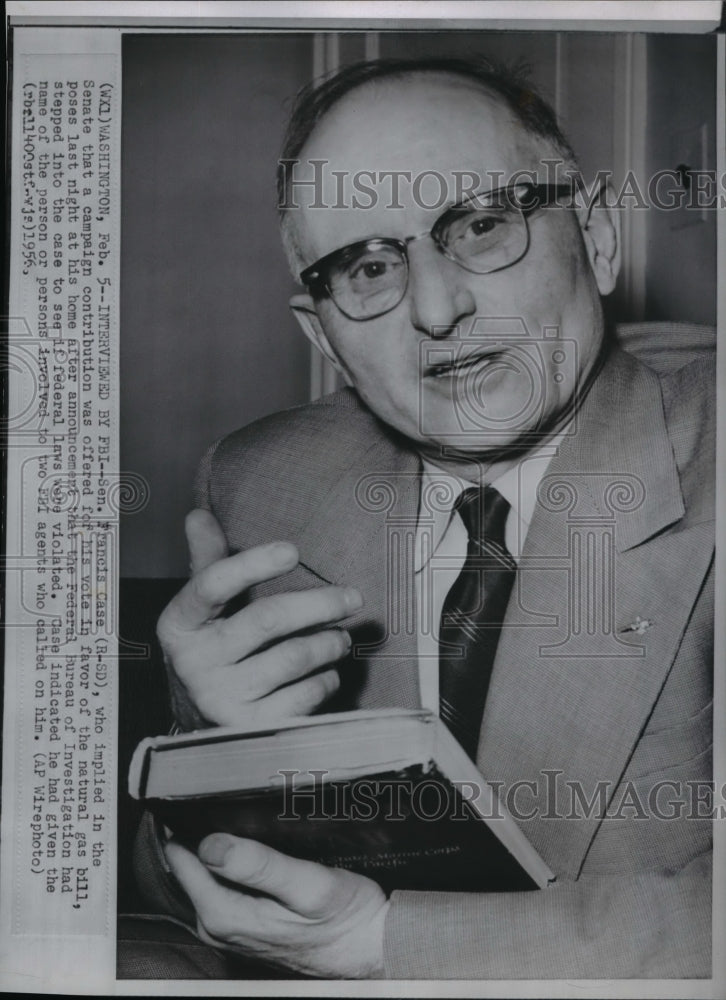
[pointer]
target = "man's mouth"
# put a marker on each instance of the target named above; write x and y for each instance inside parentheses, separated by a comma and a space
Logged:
(464, 363)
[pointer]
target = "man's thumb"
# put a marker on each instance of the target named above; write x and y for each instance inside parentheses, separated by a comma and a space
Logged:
(205, 539)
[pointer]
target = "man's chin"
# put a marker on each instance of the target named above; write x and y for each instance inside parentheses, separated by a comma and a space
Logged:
(473, 420)
(463, 450)
(485, 447)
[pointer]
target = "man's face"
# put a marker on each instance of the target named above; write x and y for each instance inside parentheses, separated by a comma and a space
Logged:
(518, 340)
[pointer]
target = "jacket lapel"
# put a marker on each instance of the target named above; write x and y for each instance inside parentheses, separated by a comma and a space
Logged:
(608, 549)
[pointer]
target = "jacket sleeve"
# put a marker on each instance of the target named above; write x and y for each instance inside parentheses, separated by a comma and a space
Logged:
(647, 925)
(153, 876)
(654, 924)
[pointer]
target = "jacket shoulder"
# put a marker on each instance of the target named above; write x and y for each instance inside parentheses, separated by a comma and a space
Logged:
(668, 347)
(306, 425)
(689, 404)
(301, 452)
(342, 410)
(689, 401)
(683, 356)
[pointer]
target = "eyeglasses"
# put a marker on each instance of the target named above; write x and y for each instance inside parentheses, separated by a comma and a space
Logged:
(486, 233)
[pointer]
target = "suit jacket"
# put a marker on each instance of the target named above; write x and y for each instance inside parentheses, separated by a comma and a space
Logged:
(599, 708)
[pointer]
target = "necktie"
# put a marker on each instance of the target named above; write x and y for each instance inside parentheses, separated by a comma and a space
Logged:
(472, 615)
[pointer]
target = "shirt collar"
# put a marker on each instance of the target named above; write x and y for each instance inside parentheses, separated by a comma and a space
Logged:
(518, 485)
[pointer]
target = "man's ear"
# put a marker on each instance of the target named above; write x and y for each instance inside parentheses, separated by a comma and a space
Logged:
(304, 311)
(600, 225)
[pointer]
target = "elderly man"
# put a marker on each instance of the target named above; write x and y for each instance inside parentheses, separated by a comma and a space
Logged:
(458, 292)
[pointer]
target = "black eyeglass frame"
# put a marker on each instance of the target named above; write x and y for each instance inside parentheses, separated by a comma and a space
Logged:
(316, 276)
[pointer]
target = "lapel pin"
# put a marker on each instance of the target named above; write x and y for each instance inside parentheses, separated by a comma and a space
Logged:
(639, 626)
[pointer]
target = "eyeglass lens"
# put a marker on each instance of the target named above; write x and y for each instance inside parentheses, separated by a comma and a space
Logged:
(373, 280)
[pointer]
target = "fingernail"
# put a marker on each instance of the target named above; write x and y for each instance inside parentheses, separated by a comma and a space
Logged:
(353, 599)
(214, 849)
(347, 641)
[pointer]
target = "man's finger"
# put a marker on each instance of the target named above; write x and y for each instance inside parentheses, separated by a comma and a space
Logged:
(225, 702)
(208, 591)
(205, 539)
(281, 615)
(301, 698)
(303, 886)
(194, 877)
(218, 908)
(294, 659)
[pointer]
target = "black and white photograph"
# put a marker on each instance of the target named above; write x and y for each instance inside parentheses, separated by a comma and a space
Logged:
(380, 425)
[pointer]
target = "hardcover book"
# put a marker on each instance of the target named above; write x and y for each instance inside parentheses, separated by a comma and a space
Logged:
(388, 793)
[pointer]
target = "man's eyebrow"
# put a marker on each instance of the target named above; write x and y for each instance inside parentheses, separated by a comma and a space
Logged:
(463, 203)
(470, 197)
(348, 248)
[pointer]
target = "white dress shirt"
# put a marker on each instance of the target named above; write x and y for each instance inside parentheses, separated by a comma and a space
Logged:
(442, 539)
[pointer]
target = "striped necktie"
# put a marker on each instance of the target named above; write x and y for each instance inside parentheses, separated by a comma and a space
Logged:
(472, 615)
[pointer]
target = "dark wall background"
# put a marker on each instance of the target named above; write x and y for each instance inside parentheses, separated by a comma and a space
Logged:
(681, 247)
(207, 340)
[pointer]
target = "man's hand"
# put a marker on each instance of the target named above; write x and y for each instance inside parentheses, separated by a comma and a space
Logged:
(304, 917)
(244, 670)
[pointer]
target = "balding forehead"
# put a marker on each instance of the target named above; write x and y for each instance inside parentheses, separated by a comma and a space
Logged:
(396, 99)
(392, 154)
(421, 123)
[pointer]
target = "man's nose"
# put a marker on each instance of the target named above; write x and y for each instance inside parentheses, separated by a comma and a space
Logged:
(438, 293)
